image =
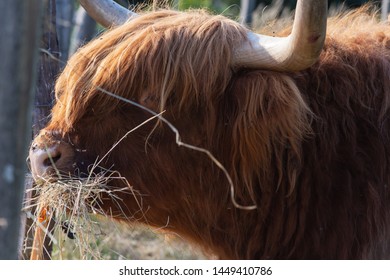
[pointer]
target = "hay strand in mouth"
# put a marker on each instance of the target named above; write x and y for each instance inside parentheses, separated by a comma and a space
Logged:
(73, 202)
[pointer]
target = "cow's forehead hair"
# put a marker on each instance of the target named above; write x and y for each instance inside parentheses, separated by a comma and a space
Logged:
(166, 56)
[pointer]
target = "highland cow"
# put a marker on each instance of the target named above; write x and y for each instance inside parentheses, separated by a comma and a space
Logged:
(300, 124)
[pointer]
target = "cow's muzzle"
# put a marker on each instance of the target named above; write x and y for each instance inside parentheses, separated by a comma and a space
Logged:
(50, 159)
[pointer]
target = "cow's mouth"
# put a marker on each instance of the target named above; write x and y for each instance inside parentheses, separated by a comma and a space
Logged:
(72, 187)
(67, 179)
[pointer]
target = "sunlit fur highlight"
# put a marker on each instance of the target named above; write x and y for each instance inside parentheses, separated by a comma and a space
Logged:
(311, 149)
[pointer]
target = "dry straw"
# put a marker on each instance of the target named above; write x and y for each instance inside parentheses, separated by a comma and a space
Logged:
(70, 203)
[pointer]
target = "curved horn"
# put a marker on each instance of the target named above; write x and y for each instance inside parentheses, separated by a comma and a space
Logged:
(296, 52)
(107, 13)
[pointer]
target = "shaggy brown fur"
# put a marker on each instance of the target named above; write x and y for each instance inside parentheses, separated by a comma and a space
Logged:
(310, 149)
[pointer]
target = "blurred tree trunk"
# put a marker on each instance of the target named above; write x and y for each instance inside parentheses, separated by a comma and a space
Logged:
(385, 9)
(20, 30)
(84, 30)
(65, 14)
(217, 5)
(247, 8)
(48, 69)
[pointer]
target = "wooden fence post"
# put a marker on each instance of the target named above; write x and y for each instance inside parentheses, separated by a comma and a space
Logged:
(48, 68)
(20, 32)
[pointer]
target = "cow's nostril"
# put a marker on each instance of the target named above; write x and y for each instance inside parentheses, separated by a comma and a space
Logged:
(47, 161)
(51, 160)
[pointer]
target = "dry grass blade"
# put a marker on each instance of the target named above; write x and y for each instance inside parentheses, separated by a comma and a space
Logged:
(39, 236)
(71, 202)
